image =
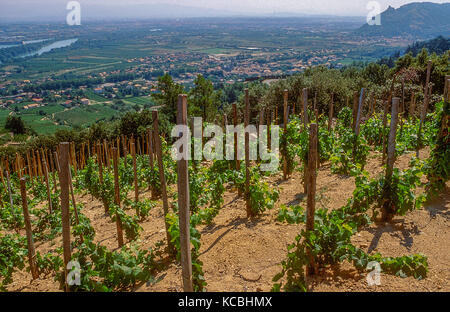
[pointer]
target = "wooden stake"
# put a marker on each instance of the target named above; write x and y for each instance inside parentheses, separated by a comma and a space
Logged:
(317, 121)
(424, 109)
(65, 214)
(305, 107)
(18, 167)
(447, 94)
(49, 196)
(30, 242)
(147, 137)
(371, 106)
(125, 155)
(236, 145)
(9, 190)
(446, 87)
(100, 176)
(150, 157)
(360, 107)
(42, 155)
(183, 203)
(55, 184)
(129, 142)
(225, 124)
(331, 113)
(387, 212)
(136, 187)
(311, 190)
(138, 144)
(75, 169)
(57, 162)
(392, 136)
(412, 105)
(162, 176)
(293, 107)
(402, 107)
(247, 155)
(74, 204)
(315, 101)
(39, 164)
(261, 118)
(107, 156)
(285, 121)
(117, 196)
(82, 152)
(355, 110)
(49, 160)
(35, 171)
(275, 120)
(269, 122)
(1, 175)
(385, 112)
(15, 165)
(30, 173)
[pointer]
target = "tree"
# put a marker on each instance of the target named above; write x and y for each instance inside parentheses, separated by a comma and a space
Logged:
(15, 125)
(203, 99)
(376, 73)
(168, 96)
(131, 123)
(231, 92)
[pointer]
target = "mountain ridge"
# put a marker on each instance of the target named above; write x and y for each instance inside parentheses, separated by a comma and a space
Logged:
(417, 20)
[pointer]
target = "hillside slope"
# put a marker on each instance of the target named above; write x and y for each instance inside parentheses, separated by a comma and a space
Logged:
(418, 20)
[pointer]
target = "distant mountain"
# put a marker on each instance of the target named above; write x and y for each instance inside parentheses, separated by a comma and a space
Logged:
(418, 20)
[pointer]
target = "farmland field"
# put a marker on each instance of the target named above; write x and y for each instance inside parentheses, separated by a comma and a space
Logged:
(84, 116)
(139, 101)
(51, 117)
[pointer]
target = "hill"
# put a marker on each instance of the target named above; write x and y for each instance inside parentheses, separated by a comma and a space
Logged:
(417, 20)
(439, 46)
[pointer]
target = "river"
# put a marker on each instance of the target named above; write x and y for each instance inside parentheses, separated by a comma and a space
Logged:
(52, 46)
(4, 46)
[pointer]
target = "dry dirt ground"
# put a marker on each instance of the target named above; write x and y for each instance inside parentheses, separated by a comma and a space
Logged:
(243, 255)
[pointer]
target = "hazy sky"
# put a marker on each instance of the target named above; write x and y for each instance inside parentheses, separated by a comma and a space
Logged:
(341, 7)
(24, 9)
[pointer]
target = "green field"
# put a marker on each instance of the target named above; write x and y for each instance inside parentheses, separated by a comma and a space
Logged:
(85, 116)
(47, 109)
(145, 100)
(32, 118)
(3, 115)
(41, 124)
(95, 97)
(51, 117)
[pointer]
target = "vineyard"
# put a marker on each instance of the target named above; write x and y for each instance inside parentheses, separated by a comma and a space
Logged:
(366, 184)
